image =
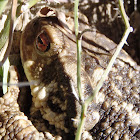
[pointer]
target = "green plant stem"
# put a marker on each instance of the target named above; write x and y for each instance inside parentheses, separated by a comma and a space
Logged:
(128, 29)
(5, 67)
(78, 42)
(119, 47)
(82, 121)
(76, 17)
(79, 70)
(123, 14)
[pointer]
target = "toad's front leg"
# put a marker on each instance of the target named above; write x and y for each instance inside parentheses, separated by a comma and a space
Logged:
(13, 123)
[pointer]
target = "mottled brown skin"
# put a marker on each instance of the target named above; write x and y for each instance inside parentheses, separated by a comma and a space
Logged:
(114, 113)
(13, 123)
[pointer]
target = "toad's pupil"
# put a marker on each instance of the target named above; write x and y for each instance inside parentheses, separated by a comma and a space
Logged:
(43, 43)
(39, 40)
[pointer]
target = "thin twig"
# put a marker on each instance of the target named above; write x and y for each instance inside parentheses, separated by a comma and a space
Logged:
(20, 84)
(78, 42)
(119, 47)
(128, 29)
(86, 30)
(81, 122)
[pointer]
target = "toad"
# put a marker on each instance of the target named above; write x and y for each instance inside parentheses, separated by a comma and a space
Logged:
(49, 58)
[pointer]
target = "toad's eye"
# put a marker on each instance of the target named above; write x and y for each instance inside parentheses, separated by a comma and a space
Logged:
(42, 42)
